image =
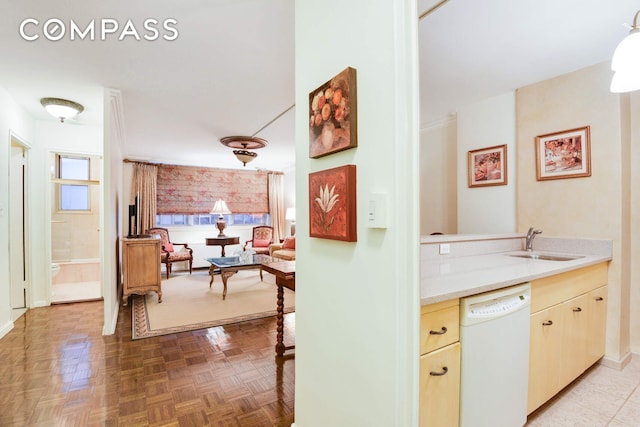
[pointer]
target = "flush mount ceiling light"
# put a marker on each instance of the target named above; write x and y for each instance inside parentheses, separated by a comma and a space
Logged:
(61, 108)
(626, 61)
(242, 145)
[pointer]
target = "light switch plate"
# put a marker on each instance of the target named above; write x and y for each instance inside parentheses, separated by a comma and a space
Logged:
(377, 210)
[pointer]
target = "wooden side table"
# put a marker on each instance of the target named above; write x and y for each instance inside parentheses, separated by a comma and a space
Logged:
(222, 242)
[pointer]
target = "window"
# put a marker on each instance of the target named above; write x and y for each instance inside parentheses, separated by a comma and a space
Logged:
(73, 192)
(205, 219)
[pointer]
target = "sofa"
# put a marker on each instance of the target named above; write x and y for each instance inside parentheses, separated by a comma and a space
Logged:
(286, 250)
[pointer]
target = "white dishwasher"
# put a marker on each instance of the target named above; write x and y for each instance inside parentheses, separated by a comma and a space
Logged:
(494, 340)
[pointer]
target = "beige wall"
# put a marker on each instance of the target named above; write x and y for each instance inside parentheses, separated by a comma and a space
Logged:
(488, 123)
(595, 207)
(438, 180)
(634, 214)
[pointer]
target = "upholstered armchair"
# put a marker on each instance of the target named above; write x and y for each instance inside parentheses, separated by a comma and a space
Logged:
(262, 237)
(285, 250)
(169, 254)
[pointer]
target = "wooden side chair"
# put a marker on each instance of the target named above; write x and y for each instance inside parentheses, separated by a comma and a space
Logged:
(169, 255)
(262, 238)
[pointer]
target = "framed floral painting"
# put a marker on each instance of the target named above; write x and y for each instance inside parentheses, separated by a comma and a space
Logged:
(332, 115)
(332, 203)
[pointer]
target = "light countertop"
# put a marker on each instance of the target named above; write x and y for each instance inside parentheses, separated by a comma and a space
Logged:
(444, 278)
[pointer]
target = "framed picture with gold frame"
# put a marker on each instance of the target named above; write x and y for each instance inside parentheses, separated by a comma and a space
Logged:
(564, 154)
(487, 166)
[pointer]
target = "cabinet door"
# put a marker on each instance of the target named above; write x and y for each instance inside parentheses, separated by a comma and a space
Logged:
(143, 264)
(544, 356)
(597, 324)
(440, 387)
(575, 327)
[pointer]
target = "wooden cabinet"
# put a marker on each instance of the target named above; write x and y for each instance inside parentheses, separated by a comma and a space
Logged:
(141, 267)
(440, 364)
(567, 335)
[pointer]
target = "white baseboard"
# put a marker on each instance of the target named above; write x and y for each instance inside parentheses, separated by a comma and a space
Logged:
(615, 363)
(41, 303)
(111, 329)
(4, 330)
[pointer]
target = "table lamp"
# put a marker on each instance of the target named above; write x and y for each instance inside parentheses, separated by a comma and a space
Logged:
(220, 208)
(290, 215)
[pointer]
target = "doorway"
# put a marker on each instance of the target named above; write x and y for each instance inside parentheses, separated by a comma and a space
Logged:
(75, 228)
(18, 207)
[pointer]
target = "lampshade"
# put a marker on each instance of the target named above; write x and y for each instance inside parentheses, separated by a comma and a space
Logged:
(626, 62)
(290, 215)
(245, 156)
(61, 108)
(220, 208)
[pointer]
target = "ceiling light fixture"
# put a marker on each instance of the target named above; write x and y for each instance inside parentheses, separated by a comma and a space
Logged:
(242, 145)
(61, 108)
(626, 61)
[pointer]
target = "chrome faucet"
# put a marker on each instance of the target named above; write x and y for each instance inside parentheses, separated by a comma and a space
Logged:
(531, 234)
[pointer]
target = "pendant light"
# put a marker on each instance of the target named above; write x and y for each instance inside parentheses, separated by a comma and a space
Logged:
(626, 61)
(242, 145)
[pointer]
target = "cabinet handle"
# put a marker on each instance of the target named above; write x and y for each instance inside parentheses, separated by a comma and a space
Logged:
(599, 299)
(439, 374)
(547, 323)
(577, 309)
(440, 332)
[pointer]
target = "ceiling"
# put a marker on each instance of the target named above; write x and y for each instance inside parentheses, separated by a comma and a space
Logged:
(230, 71)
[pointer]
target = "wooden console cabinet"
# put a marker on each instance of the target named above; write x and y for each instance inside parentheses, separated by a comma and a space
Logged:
(141, 267)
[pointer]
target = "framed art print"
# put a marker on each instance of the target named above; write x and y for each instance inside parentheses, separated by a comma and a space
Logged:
(333, 115)
(487, 166)
(332, 203)
(565, 154)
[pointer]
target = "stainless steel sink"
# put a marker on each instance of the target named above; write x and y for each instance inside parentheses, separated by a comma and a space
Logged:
(547, 257)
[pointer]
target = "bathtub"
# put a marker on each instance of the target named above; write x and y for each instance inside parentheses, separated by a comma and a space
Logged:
(77, 271)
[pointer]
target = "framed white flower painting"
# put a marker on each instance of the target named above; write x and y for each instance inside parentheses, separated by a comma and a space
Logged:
(332, 203)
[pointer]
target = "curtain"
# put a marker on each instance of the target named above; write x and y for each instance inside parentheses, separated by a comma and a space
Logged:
(276, 206)
(192, 190)
(144, 184)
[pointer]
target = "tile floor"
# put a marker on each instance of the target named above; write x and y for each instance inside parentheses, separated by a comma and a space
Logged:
(601, 397)
(75, 291)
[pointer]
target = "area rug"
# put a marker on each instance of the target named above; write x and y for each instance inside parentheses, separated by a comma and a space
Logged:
(189, 304)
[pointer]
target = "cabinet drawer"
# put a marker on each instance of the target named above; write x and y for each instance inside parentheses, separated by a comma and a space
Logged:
(439, 328)
(440, 393)
(561, 287)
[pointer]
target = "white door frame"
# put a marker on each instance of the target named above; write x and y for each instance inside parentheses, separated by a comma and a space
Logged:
(19, 255)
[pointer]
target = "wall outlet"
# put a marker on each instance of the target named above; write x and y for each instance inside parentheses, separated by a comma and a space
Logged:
(445, 248)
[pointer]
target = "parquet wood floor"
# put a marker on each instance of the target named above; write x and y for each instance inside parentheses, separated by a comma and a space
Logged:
(56, 369)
